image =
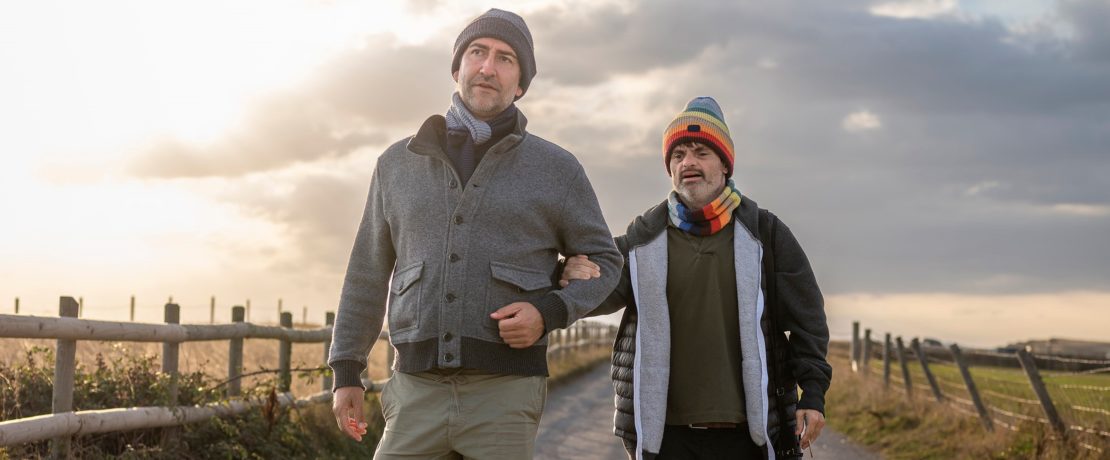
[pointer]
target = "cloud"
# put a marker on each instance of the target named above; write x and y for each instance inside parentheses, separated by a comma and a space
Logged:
(366, 97)
(861, 121)
(281, 132)
(915, 9)
(907, 208)
(992, 180)
(1087, 20)
(1076, 209)
(316, 209)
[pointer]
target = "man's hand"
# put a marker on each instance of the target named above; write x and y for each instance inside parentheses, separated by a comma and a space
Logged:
(810, 422)
(579, 268)
(520, 324)
(347, 407)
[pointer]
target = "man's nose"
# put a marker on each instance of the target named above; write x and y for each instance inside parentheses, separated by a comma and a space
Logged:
(487, 67)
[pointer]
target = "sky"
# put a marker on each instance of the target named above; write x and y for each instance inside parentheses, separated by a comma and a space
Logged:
(939, 160)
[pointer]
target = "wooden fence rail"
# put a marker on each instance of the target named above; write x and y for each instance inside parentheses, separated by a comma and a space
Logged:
(67, 329)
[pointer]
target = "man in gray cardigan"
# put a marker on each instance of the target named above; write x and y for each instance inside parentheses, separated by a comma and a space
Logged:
(460, 237)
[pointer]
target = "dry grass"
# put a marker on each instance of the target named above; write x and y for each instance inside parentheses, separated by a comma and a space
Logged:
(209, 357)
(260, 354)
(922, 429)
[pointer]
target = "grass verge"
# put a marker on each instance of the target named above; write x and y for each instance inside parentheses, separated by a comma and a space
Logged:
(899, 428)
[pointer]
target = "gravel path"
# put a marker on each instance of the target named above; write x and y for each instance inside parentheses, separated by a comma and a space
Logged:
(577, 424)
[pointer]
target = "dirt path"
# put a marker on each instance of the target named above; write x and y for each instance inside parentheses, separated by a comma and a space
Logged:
(578, 424)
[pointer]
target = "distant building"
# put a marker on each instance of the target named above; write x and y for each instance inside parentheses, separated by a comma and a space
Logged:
(1064, 347)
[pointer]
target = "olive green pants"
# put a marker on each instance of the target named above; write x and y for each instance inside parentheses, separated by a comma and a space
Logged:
(466, 415)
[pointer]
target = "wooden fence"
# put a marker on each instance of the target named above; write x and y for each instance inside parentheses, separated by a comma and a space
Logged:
(67, 329)
(1072, 398)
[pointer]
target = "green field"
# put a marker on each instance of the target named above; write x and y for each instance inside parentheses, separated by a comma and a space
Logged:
(1080, 399)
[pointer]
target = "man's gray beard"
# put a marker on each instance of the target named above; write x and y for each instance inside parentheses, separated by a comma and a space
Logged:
(686, 200)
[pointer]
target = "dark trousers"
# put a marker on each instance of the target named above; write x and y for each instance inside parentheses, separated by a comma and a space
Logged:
(681, 442)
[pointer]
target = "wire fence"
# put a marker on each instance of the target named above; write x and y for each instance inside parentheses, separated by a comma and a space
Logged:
(1003, 388)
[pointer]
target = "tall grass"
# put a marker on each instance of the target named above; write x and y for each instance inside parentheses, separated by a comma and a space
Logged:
(900, 428)
(111, 375)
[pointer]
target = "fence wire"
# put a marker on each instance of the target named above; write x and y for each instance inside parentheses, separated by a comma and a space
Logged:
(1078, 388)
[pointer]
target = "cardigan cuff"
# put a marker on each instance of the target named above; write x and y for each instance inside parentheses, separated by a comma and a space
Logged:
(348, 373)
(553, 310)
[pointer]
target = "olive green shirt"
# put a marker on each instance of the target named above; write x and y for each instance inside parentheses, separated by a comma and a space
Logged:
(705, 383)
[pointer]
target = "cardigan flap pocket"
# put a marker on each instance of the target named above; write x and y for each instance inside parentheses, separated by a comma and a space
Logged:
(406, 277)
(525, 279)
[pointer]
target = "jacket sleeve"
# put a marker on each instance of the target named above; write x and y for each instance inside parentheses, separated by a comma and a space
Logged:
(804, 307)
(622, 295)
(582, 231)
(361, 313)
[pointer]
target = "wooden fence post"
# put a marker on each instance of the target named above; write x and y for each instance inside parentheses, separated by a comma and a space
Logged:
(235, 355)
(1037, 383)
(916, 344)
(564, 342)
(285, 353)
(172, 315)
(866, 351)
(304, 315)
(853, 353)
(971, 389)
(212, 310)
(17, 305)
(887, 348)
(80, 307)
(64, 363)
(132, 309)
(905, 368)
(329, 320)
(248, 318)
(170, 351)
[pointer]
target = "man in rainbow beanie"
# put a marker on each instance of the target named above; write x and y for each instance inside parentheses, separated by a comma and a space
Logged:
(702, 367)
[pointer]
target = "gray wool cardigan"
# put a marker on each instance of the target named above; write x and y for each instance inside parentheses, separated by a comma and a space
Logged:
(443, 256)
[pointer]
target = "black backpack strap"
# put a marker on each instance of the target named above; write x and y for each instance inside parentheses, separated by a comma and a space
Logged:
(767, 229)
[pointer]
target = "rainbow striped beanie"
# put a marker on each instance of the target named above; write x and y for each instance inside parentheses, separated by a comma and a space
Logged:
(701, 121)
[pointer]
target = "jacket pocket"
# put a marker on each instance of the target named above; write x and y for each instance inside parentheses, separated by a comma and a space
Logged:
(404, 298)
(510, 284)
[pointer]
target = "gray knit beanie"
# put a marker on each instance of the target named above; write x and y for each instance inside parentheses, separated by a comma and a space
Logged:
(507, 27)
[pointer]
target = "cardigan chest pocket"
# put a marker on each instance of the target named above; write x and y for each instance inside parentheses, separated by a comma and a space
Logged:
(510, 284)
(404, 298)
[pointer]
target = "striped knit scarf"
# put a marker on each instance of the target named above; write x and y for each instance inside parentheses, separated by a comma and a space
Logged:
(460, 119)
(708, 220)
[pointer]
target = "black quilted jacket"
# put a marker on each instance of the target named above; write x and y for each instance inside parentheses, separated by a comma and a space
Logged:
(797, 302)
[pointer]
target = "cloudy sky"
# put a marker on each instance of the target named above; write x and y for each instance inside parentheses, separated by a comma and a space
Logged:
(938, 159)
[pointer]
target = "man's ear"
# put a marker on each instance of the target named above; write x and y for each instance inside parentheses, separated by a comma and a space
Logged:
(519, 91)
(455, 76)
